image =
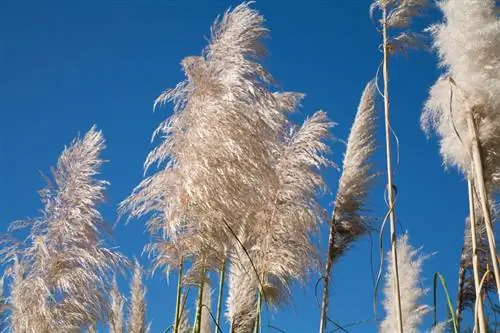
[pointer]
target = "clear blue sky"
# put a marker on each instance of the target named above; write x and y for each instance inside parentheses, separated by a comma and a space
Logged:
(65, 65)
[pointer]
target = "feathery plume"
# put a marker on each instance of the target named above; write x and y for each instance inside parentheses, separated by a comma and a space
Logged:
(216, 146)
(116, 317)
(64, 256)
(137, 309)
(283, 251)
(468, 44)
(347, 222)
(410, 266)
(357, 175)
(463, 107)
(400, 12)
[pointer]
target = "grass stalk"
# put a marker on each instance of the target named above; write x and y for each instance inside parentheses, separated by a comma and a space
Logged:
(219, 298)
(483, 195)
(257, 327)
(479, 314)
(326, 277)
(178, 300)
(390, 192)
(199, 304)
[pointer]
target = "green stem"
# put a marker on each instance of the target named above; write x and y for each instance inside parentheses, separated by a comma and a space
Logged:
(448, 300)
(199, 305)
(178, 300)
(219, 298)
(257, 325)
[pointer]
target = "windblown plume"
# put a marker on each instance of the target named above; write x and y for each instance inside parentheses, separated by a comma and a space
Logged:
(116, 317)
(137, 309)
(468, 44)
(357, 175)
(64, 259)
(399, 14)
(206, 315)
(283, 251)
(216, 146)
(410, 266)
(347, 223)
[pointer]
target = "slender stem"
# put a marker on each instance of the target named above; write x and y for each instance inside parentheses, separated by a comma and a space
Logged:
(257, 325)
(219, 298)
(178, 300)
(389, 171)
(199, 304)
(479, 315)
(326, 276)
(483, 196)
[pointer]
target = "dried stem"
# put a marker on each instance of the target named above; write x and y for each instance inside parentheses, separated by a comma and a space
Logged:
(483, 196)
(389, 170)
(326, 277)
(479, 315)
(178, 300)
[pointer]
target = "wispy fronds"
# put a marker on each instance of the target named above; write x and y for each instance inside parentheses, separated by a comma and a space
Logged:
(216, 146)
(468, 44)
(64, 259)
(400, 12)
(347, 222)
(137, 307)
(283, 251)
(357, 175)
(206, 311)
(116, 307)
(410, 262)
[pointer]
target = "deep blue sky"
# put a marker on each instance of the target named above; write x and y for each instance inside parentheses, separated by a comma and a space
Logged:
(66, 65)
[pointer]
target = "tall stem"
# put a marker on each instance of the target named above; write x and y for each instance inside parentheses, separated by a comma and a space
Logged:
(389, 171)
(256, 328)
(199, 304)
(475, 262)
(483, 195)
(326, 277)
(178, 300)
(219, 298)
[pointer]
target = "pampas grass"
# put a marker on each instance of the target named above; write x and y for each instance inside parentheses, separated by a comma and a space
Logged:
(137, 307)
(395, 16)
(463, 107)
(410, 266)
(65, 255)
(347, 223)
(116, 317)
